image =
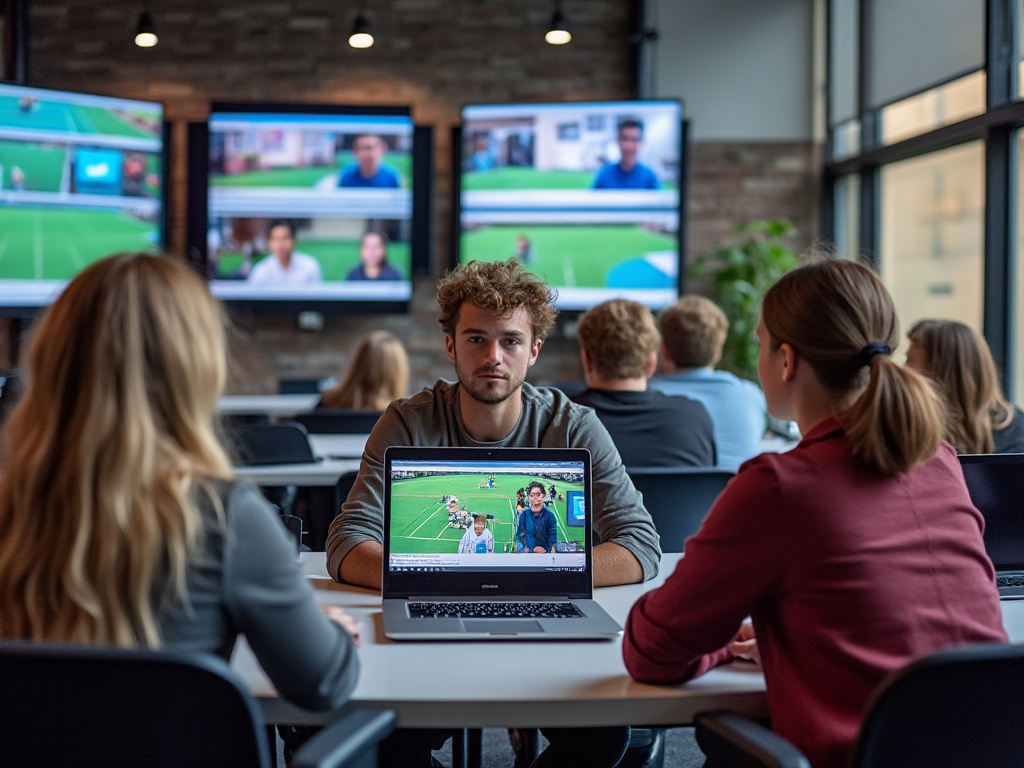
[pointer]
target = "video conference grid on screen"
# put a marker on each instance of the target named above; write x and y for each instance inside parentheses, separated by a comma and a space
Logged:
(586, 195)
(344, 181)
(480, 516)
(80, 178)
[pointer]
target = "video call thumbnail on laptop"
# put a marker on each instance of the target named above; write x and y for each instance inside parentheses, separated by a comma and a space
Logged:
(996, 484)
(461, 543)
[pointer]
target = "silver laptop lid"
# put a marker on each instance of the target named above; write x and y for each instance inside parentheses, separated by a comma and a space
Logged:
(423, 529)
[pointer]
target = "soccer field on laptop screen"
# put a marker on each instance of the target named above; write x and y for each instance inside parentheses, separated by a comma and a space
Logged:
(80, 178)
(334, 176)
(586, 195)
(435, 506)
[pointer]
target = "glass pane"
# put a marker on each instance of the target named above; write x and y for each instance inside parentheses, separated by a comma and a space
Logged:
(846, 140)
(932, 213)
(933, 109)
(1016, 377)
(847, 216)
(843, 38)
(916, 44)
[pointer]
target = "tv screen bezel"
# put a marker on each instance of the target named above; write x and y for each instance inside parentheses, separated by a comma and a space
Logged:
(32, 310)
(198, 206)
(682, 184)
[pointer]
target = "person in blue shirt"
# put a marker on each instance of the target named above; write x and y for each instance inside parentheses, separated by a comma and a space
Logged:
(368, 170)
(537, 529)
(628, 173)
(373, 259)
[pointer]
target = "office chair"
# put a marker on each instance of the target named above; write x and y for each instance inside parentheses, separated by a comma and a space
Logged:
(95, 707)
(300, 386)
(962, 706)
(282, 443)
(337, 421)
(678, 498)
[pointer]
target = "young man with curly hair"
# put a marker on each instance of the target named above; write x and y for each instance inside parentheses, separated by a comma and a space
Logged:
(495, 317)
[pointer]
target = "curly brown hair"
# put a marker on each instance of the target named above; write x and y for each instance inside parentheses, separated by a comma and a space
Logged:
(619, 337)
(501, 286)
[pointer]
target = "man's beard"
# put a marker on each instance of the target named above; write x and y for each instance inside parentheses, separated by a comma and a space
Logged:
(484, 393)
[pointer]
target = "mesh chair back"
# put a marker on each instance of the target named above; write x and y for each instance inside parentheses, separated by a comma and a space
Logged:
(960, 707)
(281, 443)
(678, 498)
(115, 708)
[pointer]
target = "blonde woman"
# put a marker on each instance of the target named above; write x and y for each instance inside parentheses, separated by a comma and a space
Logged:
(378, 374)
(121, 522)
(980, 418)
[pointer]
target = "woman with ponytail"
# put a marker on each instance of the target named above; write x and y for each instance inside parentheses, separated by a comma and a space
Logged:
(121, 522)
(854, 553)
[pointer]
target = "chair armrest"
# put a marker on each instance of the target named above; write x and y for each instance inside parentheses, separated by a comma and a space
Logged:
(732, 740)
(348, 742)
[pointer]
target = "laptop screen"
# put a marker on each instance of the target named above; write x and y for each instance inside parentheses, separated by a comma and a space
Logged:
(454, 512)
(996, 484)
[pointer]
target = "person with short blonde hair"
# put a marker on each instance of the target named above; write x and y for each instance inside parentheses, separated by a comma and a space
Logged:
(854, 553)
(957, 358)
(693, 331)
(619, 351)
(122, 523)
(377, 374)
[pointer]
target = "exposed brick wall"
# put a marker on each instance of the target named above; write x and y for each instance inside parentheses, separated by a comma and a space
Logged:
(434, 55)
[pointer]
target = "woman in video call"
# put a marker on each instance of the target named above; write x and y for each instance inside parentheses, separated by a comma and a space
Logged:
(373, 259)
(854, 553)
(122, 524)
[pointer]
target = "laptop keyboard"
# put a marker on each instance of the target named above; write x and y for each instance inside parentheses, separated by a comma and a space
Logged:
(516, 610)
(1014, 580)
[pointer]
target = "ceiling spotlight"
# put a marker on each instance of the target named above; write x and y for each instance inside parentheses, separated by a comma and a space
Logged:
(558, 30)
(145, 35)
(362, 34)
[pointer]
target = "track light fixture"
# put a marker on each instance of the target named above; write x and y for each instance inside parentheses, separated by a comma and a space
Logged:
(558, 29)
(145, 34)
(362, 34)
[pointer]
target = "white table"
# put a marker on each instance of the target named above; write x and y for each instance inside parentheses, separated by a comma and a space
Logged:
(570, 683)
(314, 474)
(270, 405)
(338, 446)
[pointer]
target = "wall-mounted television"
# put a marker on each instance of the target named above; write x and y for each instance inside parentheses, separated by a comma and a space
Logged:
(336, 183)
(587, 195)
(81, 177)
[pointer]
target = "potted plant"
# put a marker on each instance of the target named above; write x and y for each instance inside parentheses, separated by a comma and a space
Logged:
(738, 275)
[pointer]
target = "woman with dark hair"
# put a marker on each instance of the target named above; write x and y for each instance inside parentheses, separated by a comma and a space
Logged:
(373, 259)
(957, 358)
(854, 553)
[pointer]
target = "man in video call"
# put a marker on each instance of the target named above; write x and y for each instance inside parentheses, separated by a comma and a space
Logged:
(495, 317)
(628, 173)
(368, 170)
(284, 266)
(537, 530)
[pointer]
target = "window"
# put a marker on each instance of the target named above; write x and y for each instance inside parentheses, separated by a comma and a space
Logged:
(931, 235)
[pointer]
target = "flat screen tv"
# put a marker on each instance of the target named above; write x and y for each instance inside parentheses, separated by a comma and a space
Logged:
(587, 195)
(81, 177)
(338, 181)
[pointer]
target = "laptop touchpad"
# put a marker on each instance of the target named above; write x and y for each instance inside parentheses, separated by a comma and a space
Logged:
(502, 626)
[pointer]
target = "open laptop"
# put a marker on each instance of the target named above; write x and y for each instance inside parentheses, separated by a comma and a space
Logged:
(492, 591)
(996, 484)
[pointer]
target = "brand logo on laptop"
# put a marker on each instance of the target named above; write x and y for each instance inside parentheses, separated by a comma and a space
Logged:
(488, 586)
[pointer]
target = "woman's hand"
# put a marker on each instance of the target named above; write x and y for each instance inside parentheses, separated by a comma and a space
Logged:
(744, 645)
(335, 614)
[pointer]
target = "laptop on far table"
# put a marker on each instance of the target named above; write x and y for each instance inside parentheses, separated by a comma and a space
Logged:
(432, 592)
(996, 484)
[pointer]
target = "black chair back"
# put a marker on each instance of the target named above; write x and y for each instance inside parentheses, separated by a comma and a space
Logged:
(963, 706)
(114, 708)
(341, 490)
(678, 498)
(281, 443)
(333, 421)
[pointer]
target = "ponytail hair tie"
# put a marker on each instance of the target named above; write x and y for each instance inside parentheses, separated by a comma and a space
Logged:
(872, 349)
